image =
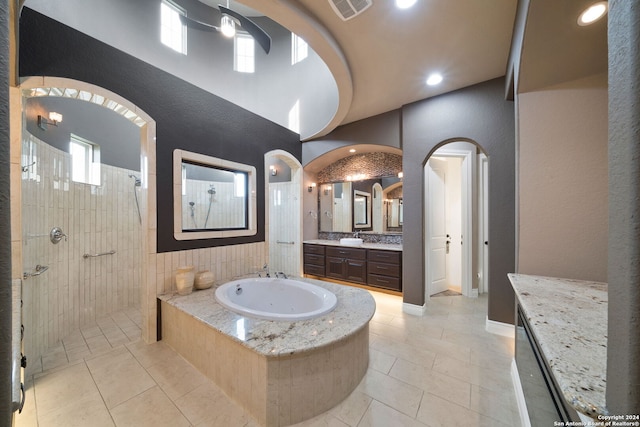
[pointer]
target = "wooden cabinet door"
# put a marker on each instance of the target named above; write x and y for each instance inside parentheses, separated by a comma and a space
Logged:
(355, 270)
(335, 267)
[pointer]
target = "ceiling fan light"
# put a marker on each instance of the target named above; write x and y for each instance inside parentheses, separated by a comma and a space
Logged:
(227, 26)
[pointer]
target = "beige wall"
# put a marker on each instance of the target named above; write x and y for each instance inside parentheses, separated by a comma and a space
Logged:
(562, 175)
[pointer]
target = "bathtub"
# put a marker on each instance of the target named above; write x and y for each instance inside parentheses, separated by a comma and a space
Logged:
(276, 299)
(282, 373)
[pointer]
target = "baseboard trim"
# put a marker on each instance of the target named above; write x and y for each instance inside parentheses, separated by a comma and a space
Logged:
(522, 404)
(499, 328)
(414, 310)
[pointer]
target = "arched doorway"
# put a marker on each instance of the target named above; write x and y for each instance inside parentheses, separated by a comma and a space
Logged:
(284, 214)
(76, 302)
(456, 220)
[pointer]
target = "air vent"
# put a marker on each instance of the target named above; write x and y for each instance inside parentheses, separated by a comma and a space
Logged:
(347, 9)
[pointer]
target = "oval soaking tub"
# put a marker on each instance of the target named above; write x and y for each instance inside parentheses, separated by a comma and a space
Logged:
(276, 298)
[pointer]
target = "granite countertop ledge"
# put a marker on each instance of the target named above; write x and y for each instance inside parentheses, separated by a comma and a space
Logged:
(365, 245)
(569, 321)
(279, 338)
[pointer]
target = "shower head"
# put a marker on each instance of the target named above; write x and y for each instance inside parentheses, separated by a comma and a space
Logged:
(191, 204)
(212, 189)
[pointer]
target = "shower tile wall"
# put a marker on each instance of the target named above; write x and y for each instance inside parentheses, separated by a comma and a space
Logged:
(75, 291)
(198, 193)
(284, 245)
(225, 262)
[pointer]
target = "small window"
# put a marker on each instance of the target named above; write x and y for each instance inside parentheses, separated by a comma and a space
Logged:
(172, 32)
(294, 117)
(85, 161)
(299, 49)
(244, 58)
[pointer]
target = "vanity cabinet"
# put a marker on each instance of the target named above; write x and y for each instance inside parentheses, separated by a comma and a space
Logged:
(383, 269)
(314, 259)
(346, 264)
(372, 267)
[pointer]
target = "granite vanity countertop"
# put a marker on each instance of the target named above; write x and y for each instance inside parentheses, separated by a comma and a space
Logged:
(569, 321)
(278, 338)
(365, 245)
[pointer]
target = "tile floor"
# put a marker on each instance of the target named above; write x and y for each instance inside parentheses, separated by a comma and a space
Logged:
(442, 369)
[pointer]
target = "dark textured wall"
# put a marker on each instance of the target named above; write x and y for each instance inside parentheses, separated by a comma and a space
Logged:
(481, 114)
(5, 224)
(186, 116)
(623, 347)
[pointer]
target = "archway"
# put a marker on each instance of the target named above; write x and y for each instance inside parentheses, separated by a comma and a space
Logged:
(143, 186)
(283, 194)
(456, 224)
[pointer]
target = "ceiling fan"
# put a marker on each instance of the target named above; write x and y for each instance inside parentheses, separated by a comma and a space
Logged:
(227, 26)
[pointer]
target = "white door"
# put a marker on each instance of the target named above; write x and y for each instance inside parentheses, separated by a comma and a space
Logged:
(436, 208)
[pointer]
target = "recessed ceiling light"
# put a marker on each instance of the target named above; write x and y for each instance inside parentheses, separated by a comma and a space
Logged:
(434, 79)
(353, 150)
(593, 13)
(405, 4)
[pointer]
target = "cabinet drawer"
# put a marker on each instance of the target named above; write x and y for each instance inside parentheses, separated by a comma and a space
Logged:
(316, 270)
(391, 257)
(342, 252)
(384, 269)
(386, 282)
(314, 259)
(313, 249)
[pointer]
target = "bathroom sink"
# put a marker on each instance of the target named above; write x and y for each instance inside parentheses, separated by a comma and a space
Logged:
(351, 241)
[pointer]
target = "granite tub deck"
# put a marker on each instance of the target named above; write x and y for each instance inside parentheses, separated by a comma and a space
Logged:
(569, 321)
(280, 372)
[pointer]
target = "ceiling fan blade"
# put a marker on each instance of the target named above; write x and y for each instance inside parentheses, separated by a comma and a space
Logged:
(259, 35)
(197, 25)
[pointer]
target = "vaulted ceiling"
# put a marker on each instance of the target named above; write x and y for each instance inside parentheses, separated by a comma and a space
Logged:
(381, 57)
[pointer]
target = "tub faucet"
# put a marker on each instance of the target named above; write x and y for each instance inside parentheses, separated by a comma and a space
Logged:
(265, 269)
(284, 276)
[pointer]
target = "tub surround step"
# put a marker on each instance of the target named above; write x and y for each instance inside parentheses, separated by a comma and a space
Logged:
(281, 372)
(274, 338)
(569, 321)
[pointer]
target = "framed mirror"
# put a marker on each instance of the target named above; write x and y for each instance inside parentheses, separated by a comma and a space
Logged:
(212, 197)
(361, 209)
(349, 206)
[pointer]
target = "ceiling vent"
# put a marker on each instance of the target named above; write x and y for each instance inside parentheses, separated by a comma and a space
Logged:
(347, 9)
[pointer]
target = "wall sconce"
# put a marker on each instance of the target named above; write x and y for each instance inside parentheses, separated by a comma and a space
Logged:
(400, 174)
(54, 119)
(311, 187)
(273, 170)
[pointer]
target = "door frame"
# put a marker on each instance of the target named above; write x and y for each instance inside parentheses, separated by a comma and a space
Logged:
(296, 179)
(483, 222)
(467, 218)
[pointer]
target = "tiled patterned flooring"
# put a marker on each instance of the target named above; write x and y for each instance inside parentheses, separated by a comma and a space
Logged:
(442, 369)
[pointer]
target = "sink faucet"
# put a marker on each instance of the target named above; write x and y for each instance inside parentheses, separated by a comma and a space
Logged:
(356, 234)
